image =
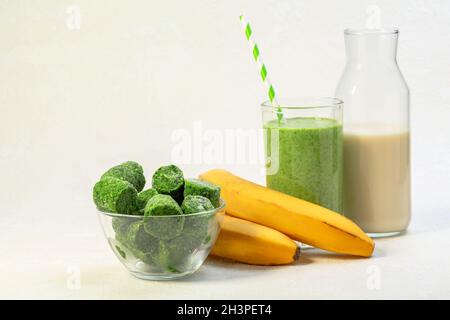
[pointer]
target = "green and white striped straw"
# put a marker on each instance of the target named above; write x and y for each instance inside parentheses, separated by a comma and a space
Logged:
(261, 66)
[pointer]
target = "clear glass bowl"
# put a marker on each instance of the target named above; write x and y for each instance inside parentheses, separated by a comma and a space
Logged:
(162, 247)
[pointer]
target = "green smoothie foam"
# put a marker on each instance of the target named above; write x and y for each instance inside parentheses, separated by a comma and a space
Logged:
(310, 159)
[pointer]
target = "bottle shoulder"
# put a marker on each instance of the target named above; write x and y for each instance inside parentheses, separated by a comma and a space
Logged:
(361, 77)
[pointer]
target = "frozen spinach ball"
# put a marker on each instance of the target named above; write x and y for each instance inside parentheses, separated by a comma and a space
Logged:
(163, 217)
(132, 165)
(195, 233)
(128, 171)
(160, 257)
(120, 225)
(115, 195)
(144, 196)
(195, 187)
(169, 180)
(162, 205)
(147, 248)
(195, 204)
(139, 239)
(196, 229)
(142, 245)
(178, 252)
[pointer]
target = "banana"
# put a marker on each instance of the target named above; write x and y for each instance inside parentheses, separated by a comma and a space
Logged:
(251, 243)
(299, 219)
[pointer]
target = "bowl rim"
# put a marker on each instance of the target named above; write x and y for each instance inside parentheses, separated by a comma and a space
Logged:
(221, 207)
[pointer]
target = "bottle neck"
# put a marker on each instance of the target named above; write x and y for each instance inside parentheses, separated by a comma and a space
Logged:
(371, 46)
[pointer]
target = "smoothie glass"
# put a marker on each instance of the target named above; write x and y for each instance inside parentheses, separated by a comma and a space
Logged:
(304, 149)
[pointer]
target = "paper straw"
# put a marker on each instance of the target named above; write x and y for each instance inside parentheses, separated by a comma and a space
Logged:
(261, 66)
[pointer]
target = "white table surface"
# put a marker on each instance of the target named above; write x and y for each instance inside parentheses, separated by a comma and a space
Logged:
(76, 263)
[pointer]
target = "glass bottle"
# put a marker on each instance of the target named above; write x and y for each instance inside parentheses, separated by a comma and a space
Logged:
(376, 133)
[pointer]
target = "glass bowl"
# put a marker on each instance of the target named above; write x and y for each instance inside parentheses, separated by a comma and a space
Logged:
(162, 247)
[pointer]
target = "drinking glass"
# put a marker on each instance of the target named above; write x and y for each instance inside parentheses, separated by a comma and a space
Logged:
(303, 149)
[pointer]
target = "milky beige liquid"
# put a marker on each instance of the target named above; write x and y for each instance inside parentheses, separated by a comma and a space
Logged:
(377, 179)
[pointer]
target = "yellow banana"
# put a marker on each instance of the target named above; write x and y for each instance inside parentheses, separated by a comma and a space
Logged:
(248, 242)
(299, 219)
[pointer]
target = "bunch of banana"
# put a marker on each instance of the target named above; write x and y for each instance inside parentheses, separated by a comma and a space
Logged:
(265, 222)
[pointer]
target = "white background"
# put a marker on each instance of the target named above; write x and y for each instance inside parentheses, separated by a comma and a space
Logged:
(75, 101)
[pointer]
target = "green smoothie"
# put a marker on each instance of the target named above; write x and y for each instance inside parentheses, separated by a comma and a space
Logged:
(309, 156)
